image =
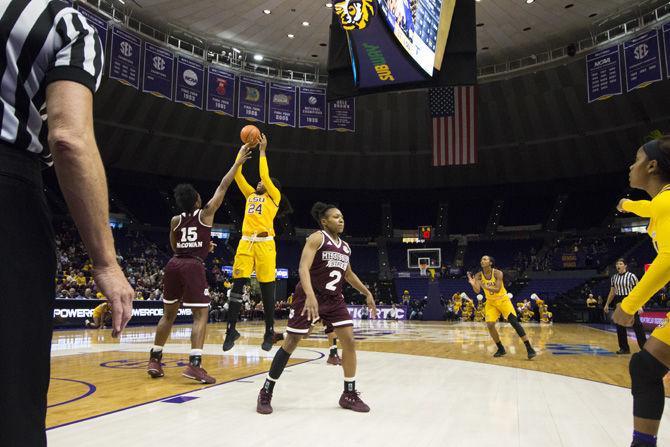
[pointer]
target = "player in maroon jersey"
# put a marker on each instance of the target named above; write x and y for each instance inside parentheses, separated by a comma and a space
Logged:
(184, 282)
(323, 265)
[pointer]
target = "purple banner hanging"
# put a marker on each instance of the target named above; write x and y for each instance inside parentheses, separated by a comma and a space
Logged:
(124, 57)
(97, 21)
(282, 104)
(342, 115)
(158, 71)
(220, 91)
(251, 99)
(312, 108)
(642, 57)
(666, 44)
(603, 74)
(190, 81)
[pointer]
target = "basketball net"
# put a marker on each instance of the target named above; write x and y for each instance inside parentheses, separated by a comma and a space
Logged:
(423, 269)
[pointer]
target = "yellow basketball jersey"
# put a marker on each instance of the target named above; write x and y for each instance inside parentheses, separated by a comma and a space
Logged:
(491, 282)
(259, 215)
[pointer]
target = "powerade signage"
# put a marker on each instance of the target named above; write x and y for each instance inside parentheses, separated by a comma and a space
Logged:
(377, 58)
(74, 313)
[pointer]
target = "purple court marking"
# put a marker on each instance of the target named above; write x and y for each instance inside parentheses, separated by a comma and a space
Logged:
(179, 399)
(91, 390)
(321, 355)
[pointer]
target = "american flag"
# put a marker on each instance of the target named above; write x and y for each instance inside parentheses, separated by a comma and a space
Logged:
(454, 112)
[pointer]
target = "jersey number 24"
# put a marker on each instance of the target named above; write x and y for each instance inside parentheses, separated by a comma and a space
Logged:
(253, 208)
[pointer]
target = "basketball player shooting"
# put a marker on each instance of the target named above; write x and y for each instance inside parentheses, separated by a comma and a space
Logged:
(256, 250)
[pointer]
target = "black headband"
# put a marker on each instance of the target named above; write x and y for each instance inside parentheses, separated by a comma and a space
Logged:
(653, 151)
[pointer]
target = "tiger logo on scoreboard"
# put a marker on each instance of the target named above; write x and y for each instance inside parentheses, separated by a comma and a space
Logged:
(354, 14)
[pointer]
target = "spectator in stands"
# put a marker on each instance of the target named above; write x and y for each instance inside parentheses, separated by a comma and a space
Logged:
(140, 296)
(591, 306)
(406, 297)
(88, 294)
(417, 307)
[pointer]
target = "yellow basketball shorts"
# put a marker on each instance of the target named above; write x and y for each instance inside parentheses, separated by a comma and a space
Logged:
(662, 332)
(256, 256)
(495, 308)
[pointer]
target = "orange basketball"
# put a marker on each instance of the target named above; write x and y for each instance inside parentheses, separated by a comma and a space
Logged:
(250, 134)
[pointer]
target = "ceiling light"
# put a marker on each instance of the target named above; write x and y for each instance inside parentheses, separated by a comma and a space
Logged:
(122, 2)
(236, 50)
(267, 11)
(290, 36)
(258, 57)
(305, 23)
(528, 2)
(330, 5)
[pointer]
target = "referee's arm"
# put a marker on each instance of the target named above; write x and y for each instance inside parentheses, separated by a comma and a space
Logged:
(72, 78)
(610, 297)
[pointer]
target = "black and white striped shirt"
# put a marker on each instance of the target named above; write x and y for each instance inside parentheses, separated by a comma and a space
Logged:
(623, 283)
(41, 41)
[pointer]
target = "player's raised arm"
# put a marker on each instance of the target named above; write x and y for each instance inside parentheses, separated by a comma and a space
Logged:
(641, 208)
(215, 202)
(270, 187)
(475, 282)
(242, 183)
(357, 284)
(306, 259)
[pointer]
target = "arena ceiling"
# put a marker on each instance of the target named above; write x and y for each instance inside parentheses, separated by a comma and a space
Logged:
(507, 30)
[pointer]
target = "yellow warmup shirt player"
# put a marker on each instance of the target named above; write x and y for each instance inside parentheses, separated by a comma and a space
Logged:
(496, 303)
(256, 250)
(658, 275)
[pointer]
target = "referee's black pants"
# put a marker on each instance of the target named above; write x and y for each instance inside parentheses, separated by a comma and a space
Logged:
(622, 331)
(27, 253)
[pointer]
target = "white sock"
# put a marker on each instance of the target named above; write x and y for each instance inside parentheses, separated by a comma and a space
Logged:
(157, 348)
(196, 352)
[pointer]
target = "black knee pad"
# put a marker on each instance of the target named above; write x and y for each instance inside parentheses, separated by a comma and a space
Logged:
(646, 374)
(515, 324)
(238, 289)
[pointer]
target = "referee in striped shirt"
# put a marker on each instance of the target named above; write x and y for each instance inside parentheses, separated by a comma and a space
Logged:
(49, 55)
(622, 283)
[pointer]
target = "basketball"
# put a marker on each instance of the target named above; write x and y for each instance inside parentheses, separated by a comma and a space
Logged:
(250, 134)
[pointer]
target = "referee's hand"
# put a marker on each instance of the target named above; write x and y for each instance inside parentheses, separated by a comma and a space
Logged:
(113, 284)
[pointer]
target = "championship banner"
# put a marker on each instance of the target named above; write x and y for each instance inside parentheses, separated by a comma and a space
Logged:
(666, 45)
(282, 104)
(642, 57)
(251, 99)
(190, 82)
(342, 115)
(220, 91)
(312, 108)
(603, 74)
(158, 71)
(97, 21)
(124, 57)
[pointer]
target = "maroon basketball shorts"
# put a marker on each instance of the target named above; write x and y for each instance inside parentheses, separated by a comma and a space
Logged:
(332, 312)
(185, 282)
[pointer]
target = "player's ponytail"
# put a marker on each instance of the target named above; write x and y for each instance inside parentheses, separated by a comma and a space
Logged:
(185, 197)
(284, 207)
(319, 211)
(659, 150)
